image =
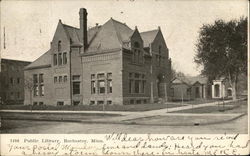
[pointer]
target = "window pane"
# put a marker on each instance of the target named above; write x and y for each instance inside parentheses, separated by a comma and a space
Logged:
(42, 90)
(35, 79)
(137, 86)
(109, 75)
(92, 76)
(55, 79)
(60, 78)
(110, 86)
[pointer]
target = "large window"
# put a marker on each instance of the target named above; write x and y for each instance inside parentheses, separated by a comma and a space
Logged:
(93, 84)
(64, 58)
(59, 48)
(76, 84)
(137, 83)
(60, 59)
(38, 84)
(55, 59)
(137, 56)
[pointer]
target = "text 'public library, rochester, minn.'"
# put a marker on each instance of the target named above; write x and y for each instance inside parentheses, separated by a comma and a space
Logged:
(106, 64)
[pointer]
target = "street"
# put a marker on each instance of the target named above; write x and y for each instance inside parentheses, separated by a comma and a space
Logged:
(50, 127)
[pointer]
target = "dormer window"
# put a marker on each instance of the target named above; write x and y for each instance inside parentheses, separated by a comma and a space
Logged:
(59, 48)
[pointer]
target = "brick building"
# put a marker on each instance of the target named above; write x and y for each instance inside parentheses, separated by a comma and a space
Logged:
(106, 64)
(12, 81)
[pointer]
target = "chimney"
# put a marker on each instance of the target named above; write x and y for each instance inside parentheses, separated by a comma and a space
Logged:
(83, 28)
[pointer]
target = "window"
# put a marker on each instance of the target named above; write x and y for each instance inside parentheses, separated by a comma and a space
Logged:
(60, 59)
(92, 76)
(11, 80)
(18, 95)
(40, 103)
(60, 103)
(65, 78)
(41, 90)
(59, 48)
(36, 90)
(35, 79)
(137, 83)
(60, 79)
(136, 45)
(55, 79)
(76, 84)
(64, 58)
(55, 59)
(159, 55)
(109, 81)
(101, 84)
(130, 86)
(34, 103)
(76, 103)
(40, 78)
(92, 102)
(109, 102)
(109, 86)
(100, 102)
(93, 86)
(18, 80)
(100, 76)
(131, 101)
(137, 86)
(76, 77)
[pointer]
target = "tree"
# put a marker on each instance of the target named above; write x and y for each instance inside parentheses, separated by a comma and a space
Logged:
(222, 50)
(29, 85)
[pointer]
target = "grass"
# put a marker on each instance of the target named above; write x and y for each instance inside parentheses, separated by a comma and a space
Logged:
(135, 108)
(233, 107)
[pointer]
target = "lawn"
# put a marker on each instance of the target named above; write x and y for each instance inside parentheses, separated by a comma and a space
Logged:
(132, 108)
(54, 116)
(233, 107)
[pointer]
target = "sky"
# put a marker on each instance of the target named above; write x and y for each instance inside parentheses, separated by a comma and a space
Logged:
(30, 25)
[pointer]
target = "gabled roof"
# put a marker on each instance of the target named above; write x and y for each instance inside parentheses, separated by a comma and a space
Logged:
(200, 79)
(149, 36)
(181, 80)
(111, 36)
(42, 62)
(73, 33)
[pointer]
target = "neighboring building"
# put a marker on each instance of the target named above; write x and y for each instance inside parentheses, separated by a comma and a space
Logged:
(108, 64)
(190, 88)
(12, 81)
(221, 89)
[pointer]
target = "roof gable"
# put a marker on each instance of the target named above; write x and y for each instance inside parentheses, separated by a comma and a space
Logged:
(149, 36)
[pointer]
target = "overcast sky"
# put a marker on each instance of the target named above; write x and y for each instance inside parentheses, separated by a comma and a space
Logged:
(30, 25)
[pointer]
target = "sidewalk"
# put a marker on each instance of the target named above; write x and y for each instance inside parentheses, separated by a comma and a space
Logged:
(127, 116)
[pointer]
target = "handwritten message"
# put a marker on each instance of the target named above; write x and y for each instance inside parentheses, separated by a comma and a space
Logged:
(124, 144)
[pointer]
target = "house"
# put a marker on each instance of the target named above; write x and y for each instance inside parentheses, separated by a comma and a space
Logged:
(221, 88)
(190, 88)
(12, 81)
(106, 64)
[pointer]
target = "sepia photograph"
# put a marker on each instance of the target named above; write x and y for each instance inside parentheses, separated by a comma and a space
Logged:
(128, 67)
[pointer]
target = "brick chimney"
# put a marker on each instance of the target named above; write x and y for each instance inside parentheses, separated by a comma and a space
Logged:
(83, 28)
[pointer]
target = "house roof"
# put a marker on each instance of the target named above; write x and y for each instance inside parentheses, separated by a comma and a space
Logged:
(190, 80)
(115, 31)
(149, 36)
(108, 37)
(41, 62)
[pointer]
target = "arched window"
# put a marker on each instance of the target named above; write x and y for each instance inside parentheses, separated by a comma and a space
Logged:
(137, 45)
(59, 48)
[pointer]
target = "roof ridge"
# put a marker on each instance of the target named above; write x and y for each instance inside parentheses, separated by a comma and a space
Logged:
(121, 23)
